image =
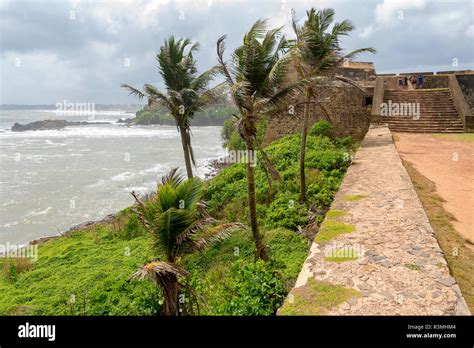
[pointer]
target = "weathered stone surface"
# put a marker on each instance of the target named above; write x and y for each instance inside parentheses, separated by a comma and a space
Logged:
(392, 235)
(348, 115)
(447, 281)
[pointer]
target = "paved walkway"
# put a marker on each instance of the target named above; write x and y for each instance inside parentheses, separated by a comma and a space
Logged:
(399, 266)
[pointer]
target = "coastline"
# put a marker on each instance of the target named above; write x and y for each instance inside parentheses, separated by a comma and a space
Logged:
(213, 168)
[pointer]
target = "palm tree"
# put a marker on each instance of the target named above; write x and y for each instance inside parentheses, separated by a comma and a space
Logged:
(254, 76)
(179, 225)
(186, 91)
(318, 49)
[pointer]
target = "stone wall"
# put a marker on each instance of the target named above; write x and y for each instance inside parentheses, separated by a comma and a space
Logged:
(347, 113)
(466, 82)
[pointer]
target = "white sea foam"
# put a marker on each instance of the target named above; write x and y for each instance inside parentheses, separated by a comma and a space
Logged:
(96, 131)
(121, 159)
(37, 212)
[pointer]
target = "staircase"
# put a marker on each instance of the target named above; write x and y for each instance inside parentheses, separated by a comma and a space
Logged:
(437, 113)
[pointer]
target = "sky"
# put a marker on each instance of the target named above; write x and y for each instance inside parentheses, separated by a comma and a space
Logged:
(83, 50)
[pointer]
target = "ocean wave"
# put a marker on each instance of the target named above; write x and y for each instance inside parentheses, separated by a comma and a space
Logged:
(157, 169)
(38, 212)
(123, 176)
(96, 131)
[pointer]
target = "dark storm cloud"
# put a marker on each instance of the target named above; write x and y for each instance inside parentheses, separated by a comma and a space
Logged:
(80, 50)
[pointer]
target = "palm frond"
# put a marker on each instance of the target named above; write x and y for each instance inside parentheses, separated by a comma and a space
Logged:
(172, 178)
(203, 80)
(158, 271)
(133, 91)
(213, 235)
(189, 193)
(220, 58)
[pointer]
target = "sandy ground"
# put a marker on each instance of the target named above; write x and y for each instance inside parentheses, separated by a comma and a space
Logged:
(450, 165)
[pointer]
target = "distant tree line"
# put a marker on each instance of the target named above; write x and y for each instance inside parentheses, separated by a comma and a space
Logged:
(214, 115)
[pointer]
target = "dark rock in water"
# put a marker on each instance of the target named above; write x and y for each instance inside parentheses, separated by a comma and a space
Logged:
(50, 124)
(125, 120)
(215, 166)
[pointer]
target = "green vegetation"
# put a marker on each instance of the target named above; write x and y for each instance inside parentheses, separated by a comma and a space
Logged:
(334, 214)
(278, 206)
(316, 298)
(412, 266)
(201, 257)
(256, 79)
(351, 198)
(210, 116)
(88, 272)
(93, 267)
(331, 229)
(179, 225)
(318, 50)
(323, 128)
(463, 137)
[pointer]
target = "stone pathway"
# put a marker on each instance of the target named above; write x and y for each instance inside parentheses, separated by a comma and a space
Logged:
(391, 257)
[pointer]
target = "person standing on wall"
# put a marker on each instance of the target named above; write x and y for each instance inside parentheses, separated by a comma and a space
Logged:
(420, 80)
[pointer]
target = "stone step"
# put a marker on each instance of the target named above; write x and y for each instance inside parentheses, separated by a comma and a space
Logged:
(408, 130)
(417, 91)
(421, 120)
(428, 122)
(438, 113)
(433, 129)
(427, 116)
(444, 102)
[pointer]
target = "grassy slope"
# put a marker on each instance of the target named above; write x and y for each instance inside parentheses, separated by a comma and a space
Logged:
(86, 272)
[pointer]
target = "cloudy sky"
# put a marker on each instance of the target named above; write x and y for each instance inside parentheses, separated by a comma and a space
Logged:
(82, 50)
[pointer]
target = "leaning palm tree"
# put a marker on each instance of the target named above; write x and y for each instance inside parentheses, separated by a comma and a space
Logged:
(178, 223)
(186, 91)
(317, 50)
(255, 75)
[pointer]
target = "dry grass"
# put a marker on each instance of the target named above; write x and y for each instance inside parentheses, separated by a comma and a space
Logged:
(15, 265)
(459, 256)
(462, 137)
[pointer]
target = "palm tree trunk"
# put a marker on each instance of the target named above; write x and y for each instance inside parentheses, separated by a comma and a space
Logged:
(171, 296)
(260, 251)
(304, 135)
(187, 155)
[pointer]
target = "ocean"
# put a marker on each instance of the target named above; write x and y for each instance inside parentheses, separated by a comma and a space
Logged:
(51, 180)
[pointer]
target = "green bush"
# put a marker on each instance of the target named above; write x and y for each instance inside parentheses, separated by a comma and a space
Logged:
(286, 211)
(326, 164)
(322, 128)
(346, 142)
(252, 288)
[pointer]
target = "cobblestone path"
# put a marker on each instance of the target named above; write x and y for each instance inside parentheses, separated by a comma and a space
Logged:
(377, 244)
